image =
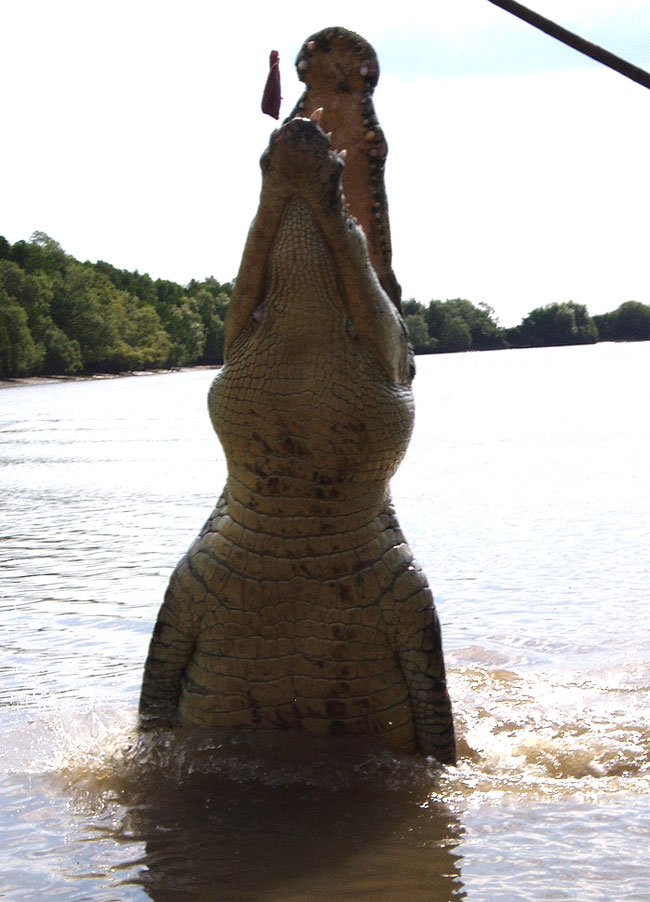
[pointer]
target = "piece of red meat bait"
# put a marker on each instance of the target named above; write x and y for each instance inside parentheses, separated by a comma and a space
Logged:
(272, 96)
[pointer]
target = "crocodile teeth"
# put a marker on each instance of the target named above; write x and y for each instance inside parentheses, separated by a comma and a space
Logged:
(342, 154)
(317, 115)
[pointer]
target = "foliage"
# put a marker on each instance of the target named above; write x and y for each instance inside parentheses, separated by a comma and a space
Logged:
(18, 353)
(60, 316)
(62, 354)
(452, 325)
(630, 322)
(555, 324)
(456, 335)
(418, 331)
(211, 304)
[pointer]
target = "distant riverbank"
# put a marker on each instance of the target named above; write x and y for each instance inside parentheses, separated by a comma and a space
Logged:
(60, 317)
(13, 381)
(96, 377)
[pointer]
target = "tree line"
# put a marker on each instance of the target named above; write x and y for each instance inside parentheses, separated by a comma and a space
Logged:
(62, 317)
(459, 325)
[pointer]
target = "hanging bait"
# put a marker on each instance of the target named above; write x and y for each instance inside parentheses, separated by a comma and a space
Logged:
(272, 96)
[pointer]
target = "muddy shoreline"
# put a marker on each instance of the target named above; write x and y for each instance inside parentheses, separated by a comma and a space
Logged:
(7, 382)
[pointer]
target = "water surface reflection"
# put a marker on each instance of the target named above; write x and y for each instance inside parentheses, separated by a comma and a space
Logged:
(275, 817)
(525, 496)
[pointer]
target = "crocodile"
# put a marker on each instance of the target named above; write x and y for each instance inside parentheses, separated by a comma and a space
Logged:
(300, 604)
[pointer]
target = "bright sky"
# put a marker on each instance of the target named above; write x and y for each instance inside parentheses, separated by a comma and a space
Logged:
(517, 175)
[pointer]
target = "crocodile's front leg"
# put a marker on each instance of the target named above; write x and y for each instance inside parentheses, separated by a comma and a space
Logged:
(170, 651)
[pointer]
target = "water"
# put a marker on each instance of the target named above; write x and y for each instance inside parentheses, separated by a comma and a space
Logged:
(526, 497)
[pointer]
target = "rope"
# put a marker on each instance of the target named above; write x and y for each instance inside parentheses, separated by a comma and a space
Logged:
(573, 40)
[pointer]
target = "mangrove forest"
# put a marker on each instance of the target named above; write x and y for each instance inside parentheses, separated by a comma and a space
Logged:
(59, 316)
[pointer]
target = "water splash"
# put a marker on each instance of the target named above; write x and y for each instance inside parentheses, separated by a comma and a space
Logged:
(549, 736)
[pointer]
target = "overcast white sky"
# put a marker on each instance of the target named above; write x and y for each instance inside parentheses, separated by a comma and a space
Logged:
(517, 175)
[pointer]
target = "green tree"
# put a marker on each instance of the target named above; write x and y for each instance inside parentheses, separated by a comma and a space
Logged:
(484, 331)
(142, 286)
(458, 325)
(42, 239)
(185, 330)
(62, 316)
(179, 315)
(41, 254)
(411, 307)
(484, 328)
(436, 316)
(629, 322)
(418, 332)
(83, 307)
(212, 310)
(214, 341)
(53, 352)
(456, 335)
(168, 294)
(143, 332)
(555, 324)
(62, 354)
(115, 330)
(32, 292)
(18, 353)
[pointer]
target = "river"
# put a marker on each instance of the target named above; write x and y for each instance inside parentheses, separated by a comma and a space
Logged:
(525, 495)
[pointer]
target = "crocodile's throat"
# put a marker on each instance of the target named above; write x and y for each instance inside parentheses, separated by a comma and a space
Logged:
(315, 391)
(302, 303)
(310, 423)
(301, 186)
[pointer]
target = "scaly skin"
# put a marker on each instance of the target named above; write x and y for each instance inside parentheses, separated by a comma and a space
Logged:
(300, 604)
